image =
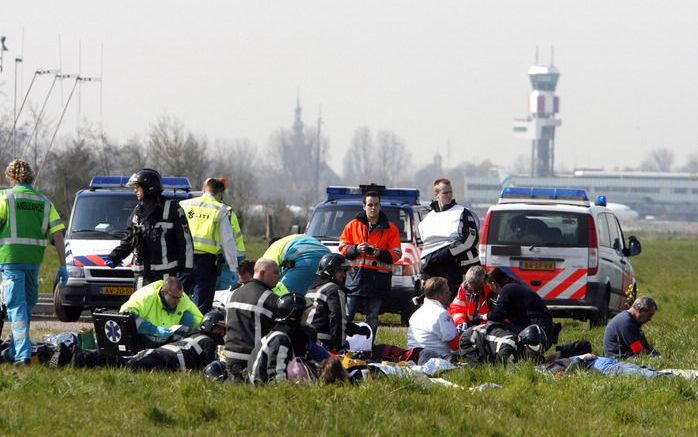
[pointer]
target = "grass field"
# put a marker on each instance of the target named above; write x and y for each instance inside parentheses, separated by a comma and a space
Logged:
(39, 400)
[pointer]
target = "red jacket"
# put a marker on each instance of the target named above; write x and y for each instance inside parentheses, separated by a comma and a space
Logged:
(468, 304)
(370, 274)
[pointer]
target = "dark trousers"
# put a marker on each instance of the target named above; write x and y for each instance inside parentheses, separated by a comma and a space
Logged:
(141, 280)
(371, 307)
(446, 266)
(200, 283)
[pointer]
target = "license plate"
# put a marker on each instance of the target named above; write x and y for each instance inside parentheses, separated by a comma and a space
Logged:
(537, 265)
(119, 291)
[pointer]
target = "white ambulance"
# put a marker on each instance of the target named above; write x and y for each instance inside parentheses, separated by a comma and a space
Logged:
(568, 250)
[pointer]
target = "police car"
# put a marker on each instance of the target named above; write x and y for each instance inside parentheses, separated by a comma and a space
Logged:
(568, 250)
(97, 223)
(402, 207)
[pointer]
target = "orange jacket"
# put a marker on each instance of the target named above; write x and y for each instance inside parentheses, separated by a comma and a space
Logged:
(468, 304)
(370, 274)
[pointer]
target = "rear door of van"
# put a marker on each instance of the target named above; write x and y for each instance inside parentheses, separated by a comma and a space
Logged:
(546, 249)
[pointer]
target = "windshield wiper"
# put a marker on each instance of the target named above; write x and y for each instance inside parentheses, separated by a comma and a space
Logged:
(115, 234)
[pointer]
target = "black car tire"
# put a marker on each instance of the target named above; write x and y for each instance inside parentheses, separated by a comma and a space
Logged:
(63, 312)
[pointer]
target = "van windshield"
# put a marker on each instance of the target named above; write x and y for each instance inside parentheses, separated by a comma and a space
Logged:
(328, 221)
(101, 217)
(539, 228)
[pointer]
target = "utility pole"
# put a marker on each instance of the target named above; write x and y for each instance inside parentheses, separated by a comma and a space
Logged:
(14, 112)
(317, 156)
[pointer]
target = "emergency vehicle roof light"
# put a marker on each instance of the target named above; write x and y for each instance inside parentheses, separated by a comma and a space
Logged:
(572, 196)
(402, 195)
(601, 200)
(168, 183)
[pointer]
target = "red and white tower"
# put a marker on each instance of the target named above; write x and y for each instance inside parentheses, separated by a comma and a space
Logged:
(539, 126)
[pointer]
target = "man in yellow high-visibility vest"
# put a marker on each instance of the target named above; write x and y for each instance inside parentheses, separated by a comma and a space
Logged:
(27, 220)
(209, 223)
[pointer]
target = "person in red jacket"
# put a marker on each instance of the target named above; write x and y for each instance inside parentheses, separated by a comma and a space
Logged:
(372, 244)
(473, 298)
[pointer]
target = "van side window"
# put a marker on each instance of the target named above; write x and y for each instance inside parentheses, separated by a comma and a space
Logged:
(614, 232)
(602, 229)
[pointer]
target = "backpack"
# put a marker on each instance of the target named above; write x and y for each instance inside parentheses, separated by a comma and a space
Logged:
(490, 343)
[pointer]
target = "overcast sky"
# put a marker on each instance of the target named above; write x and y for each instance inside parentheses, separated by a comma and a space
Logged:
(435, 73)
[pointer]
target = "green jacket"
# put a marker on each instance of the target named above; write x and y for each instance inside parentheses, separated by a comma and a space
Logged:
(148, 306)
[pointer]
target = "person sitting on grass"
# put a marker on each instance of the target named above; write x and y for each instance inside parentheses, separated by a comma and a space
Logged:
(431, 327)
(286, 341)
(623, 337)
(160, 306)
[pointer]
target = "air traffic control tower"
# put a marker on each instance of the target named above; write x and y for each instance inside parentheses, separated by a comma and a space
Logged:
(539, 126)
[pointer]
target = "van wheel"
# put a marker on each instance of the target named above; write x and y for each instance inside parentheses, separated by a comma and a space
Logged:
(63, 312)
(600, 317)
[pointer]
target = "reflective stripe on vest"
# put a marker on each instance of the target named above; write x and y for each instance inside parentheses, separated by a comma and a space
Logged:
(178, 353)
(371, 263)
(21, 240)
(264, 350)
(204, 215)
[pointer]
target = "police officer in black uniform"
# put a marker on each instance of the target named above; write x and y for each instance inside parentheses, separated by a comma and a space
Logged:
(157, 233)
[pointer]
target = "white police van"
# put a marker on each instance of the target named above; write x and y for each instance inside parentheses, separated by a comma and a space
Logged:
(402, 207)
(97, 223)
(567, 250)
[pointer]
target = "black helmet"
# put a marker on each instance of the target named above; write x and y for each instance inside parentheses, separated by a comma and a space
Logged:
(147, 178)
(534, 339)
(211, 319)
(290, 308)
(216, 371)
(329, 264)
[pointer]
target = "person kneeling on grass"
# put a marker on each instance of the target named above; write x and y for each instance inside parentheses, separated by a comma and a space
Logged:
(193, 352)
(431, 327)
(158, 308)
(287, 340)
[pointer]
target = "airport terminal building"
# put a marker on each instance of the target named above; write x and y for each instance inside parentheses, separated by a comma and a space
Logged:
(668, 196)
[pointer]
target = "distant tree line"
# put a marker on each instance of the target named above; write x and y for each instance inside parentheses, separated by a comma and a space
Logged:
(291, 169)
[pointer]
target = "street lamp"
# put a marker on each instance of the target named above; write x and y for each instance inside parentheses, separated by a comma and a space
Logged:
(3, 49)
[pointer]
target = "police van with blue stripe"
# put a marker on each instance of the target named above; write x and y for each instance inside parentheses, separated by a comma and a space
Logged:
(98, 221)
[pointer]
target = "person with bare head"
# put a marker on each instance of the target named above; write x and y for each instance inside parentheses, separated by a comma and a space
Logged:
(28, 220)
(431, 327)
(372, 244)
(473, 299)
(209, 222)
(158, 307)
(450, 236)
(249, 316)
(623, 336)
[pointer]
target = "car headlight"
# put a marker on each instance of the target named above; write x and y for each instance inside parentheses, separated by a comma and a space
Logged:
(76, 272)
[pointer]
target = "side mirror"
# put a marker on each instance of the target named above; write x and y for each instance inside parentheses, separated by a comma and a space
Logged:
(635, 246)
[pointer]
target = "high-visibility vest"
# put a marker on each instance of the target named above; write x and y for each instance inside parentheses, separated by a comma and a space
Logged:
(27, 218)
(205, 215)
(237, 232)
(147, 304)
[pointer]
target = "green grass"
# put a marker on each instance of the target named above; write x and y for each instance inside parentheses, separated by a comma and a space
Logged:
(39, 400)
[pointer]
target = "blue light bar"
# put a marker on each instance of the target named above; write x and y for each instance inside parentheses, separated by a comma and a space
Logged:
(544, 193)
(402, 195)
(176, 183)
(108, 181)
(168, 183)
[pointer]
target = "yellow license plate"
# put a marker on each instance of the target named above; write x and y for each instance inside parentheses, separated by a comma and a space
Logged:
(537, 265)
(120, 291)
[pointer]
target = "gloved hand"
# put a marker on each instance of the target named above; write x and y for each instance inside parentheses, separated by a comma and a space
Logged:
(364, 330)
(163, 332)
(477, 320)
(110, 263)
(62, 274)
(182, 331)
(462, 327)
